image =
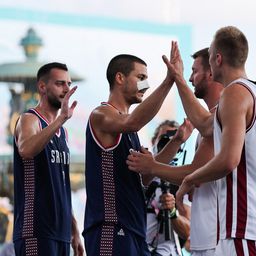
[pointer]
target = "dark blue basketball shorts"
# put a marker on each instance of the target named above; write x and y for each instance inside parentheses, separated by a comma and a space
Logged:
(113, 240)
(41, 247)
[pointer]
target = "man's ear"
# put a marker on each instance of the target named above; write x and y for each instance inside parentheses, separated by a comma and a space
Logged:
(119, 78)
(219, 59)
(41, 87)
(209, 74)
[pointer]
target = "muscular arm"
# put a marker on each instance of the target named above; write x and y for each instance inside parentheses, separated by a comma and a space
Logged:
(146, 164)
(181, 224)
(110, 121)
(30, 138)
(234, 118)
(197, 114)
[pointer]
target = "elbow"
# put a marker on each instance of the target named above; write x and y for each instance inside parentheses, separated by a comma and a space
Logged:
(231, 164)
(25, 153)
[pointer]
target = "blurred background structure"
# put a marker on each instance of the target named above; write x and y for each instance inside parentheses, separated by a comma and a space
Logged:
(85, 35)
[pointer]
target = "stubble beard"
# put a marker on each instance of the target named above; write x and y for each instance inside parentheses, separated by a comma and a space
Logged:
(54, 102)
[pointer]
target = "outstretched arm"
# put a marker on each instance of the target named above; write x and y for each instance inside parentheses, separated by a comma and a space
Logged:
(144, 162)
(197, 114)
(234, 118)
(111, 122)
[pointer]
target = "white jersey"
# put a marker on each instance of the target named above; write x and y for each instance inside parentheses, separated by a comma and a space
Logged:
(237, 191)
(203, 227)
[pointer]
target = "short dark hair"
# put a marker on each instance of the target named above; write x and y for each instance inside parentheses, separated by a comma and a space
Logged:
(171, 123)
(123, 63)
(204, 54)
(44, 71)
(232, 44)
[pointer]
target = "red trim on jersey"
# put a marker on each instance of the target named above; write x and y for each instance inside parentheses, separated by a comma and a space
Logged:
(241, 196)
(239, 247)
(58, 132)
(97, 140)
(218, 223)
(249, 126)
(229, 205)
(66, 133)
(109, 104)
(251, 247)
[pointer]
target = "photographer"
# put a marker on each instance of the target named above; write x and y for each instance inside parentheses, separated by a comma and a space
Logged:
(164, 225)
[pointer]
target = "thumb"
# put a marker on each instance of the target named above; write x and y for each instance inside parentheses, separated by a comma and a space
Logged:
(143, 150)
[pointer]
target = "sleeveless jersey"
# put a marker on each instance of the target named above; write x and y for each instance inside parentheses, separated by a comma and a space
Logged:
(236, 191)
(114, 193)
(203, 224)
(42, 202)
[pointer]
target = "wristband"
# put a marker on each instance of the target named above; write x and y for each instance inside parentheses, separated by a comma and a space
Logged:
(173, 214)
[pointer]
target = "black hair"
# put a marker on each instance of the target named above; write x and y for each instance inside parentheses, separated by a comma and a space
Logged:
(44, 71)
(123, 63)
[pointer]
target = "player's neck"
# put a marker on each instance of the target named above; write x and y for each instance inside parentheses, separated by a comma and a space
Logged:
(231, 74)
(119, 103)
(48, 112)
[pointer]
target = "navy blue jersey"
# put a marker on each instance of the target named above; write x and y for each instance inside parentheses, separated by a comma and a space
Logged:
(114, 193)
(42, 195)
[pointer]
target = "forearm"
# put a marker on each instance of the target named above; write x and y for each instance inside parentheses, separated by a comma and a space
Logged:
(34, 144)
(168, 152)
(173, 174)
(181, 226)
(195, 112)
(213, 170)
(74, 226)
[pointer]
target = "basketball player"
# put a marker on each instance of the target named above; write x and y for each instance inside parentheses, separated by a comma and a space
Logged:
(44, 224)
(203, 234)
(115, 216)
(234, 141)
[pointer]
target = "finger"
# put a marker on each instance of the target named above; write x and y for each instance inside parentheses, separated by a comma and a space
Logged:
(70, 92)
(135, 153)
(143, 150)
(75, 249)
(134, 169)
(175, 45)
(172, 50)
(81, 250)
(130, 158)
(165, 59)
(74, 104)
(178, 50)
(131, 163)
